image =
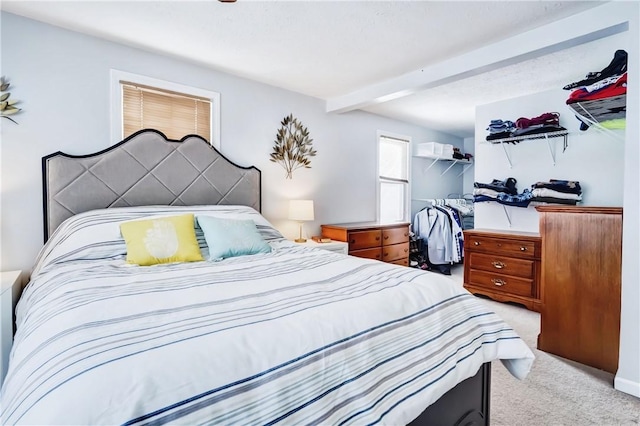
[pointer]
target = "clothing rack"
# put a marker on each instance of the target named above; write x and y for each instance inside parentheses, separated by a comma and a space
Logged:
(463, 203)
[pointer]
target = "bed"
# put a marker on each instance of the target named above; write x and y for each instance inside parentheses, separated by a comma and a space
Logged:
(295, 335)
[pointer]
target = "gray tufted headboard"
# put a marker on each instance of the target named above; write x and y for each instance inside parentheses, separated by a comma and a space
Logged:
(144, 169)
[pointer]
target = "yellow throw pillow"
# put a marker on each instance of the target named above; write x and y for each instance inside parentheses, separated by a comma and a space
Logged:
(161, 240)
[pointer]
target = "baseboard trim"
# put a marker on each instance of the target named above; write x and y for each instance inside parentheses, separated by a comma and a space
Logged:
(627, 386)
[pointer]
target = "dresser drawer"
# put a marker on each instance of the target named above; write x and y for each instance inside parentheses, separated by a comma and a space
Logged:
(372, 253)
(502, 283)
(501, 264)
(364, 239)
(395, 235)
(395, 251)
(525, 249)
(402, 262)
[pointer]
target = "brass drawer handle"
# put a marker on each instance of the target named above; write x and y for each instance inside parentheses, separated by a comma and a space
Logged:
(499, 265)
(406, 250)
(523, 248)
(377, 238)
(498, 282)
(353, 241)
(386, 237)
(406, 234)
(476, 243)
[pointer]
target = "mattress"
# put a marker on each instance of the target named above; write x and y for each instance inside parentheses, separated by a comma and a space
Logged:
(297, 335)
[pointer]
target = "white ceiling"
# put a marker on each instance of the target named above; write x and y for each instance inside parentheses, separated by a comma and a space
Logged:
(331, 49)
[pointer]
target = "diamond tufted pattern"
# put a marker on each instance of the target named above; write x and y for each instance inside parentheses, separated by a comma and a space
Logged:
(145, 169)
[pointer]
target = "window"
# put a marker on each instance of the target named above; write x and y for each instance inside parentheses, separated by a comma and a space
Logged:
(140, 102)
(393, 178)
(174, 114)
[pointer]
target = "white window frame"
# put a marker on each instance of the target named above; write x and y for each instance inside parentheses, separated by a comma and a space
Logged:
(407, 198)
(116, 102)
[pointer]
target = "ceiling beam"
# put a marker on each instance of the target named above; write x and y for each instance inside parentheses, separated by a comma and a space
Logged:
(592, 24)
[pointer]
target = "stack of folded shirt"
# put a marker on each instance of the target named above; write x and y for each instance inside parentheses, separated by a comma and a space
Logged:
(557, 192)
(517, 200)
(491, 191)
(544, 123)
(611, 82)
(504, 192)
(499, 129)
(606, 88)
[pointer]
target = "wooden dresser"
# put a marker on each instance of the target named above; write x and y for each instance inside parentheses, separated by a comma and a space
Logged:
(581, 284)
(503, 265)
(373, 240)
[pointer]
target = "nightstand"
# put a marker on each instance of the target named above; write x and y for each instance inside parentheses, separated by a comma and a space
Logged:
(10, 292)
(334, 246)
(373, 240)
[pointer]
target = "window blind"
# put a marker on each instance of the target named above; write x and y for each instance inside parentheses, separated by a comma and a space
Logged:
(393, 159)
(174, 114)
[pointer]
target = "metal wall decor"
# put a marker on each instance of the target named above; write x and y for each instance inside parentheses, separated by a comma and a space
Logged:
(293, 146)
(7, 105)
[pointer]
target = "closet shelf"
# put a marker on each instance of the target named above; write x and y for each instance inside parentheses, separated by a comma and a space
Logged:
(596, 111)
(453, 161)
(517, 139)
(547, 136)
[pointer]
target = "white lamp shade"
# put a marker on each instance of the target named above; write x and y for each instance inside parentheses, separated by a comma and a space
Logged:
(301, 210)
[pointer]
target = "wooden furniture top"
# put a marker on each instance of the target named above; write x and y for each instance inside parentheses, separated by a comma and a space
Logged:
(357, 226)
(553, 208)
(502, 234)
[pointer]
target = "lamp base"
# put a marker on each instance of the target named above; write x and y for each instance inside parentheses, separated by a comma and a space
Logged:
(300, 240)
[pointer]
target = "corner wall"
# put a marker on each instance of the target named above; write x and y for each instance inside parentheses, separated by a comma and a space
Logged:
(593, 158)
(628, 375)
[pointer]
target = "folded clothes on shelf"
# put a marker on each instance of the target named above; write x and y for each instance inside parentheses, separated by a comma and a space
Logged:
(547, 122)
(616, 86)
(491, 193)
(555, 191)
(617, 66)
(482, 198)
(517, 200)
(614, 124)
(538, 201)
(560, 185)
(499, 126)
(610, 83)
(544, 192)
(537, 129)
(547, 118)
(507, 186)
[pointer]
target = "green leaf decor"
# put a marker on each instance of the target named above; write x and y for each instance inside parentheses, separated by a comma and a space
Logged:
(7, 105)
(293, 146)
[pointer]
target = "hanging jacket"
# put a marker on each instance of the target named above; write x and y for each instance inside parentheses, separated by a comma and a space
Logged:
(434, 227)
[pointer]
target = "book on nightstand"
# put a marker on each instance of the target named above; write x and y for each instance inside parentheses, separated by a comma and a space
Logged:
(319, 239)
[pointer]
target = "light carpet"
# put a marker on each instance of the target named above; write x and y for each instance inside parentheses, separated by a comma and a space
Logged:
(556, 391)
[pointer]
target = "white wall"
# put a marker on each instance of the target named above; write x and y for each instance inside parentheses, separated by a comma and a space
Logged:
(593, 158)
(468, 177)
(628, 375)
(62, 78)
(598, 153)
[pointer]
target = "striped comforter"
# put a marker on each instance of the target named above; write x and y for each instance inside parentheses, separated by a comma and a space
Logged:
(295, 336)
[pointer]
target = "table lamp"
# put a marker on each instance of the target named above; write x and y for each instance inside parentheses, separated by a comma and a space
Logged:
(301, 211)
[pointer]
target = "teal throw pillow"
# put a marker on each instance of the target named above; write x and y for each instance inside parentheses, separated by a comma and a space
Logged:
(230, 237)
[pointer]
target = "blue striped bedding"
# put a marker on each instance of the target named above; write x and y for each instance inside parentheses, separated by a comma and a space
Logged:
(295, 336)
